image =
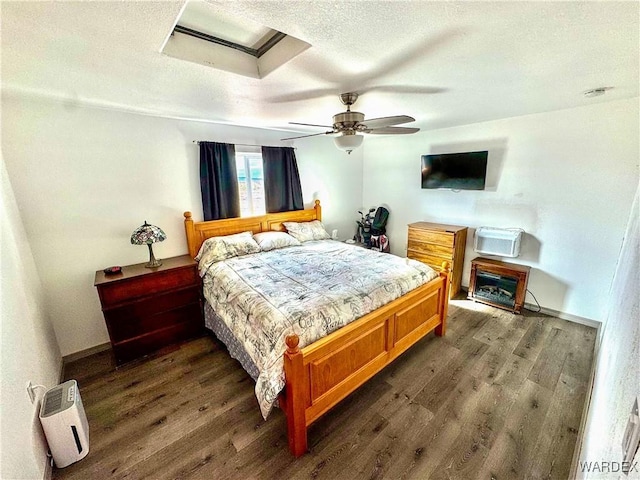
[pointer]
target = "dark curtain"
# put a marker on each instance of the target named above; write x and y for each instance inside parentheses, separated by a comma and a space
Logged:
(218, 181)
(282, 188)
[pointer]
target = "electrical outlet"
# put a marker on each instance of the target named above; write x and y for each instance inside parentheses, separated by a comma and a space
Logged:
(30, 392)
(631, 438)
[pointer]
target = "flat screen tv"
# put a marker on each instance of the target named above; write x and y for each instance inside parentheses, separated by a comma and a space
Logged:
(456, 171)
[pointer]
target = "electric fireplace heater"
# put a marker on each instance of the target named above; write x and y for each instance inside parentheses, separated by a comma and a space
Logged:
(500, 284)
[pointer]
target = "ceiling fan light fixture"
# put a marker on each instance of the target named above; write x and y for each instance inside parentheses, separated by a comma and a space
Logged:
(349, 125)
(347, 142)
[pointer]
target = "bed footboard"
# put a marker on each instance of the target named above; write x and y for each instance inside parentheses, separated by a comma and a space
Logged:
(322, 374)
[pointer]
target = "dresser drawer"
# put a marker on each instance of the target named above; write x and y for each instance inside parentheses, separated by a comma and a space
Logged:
(436, 237)
(123, 328)
(154, 304)
(154, 341)
(431, 249)
(117, 293)
(433, 261)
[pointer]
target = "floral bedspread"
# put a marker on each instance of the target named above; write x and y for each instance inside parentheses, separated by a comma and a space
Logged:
(310, 290)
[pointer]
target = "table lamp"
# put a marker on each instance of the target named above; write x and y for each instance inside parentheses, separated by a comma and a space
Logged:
(148, 234)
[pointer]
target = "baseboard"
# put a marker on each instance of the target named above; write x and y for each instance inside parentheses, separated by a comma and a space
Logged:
(577, 451)
(555, 313)
(85, 353)
(564, 316)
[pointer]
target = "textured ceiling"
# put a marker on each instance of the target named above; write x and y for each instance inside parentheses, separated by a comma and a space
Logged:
(444, 63)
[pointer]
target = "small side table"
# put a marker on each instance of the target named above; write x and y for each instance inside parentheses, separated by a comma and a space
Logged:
(148, 309)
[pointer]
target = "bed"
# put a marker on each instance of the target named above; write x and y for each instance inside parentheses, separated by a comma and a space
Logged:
(319, 374)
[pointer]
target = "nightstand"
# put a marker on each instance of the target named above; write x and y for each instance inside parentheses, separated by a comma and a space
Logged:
(148, 309)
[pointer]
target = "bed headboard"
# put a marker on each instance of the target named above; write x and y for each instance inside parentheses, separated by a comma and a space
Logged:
(198, 232)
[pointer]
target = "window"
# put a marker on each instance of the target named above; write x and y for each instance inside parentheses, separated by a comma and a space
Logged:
(250, 183)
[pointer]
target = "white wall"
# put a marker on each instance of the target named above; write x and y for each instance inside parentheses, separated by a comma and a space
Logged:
(566, 177)
(85, 178)
(28, 350)
(617, 378)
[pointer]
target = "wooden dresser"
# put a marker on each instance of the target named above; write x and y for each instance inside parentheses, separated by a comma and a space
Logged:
(433, 243)
(147, 309)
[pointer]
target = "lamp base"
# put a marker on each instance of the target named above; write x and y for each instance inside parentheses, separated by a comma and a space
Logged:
(153, 263)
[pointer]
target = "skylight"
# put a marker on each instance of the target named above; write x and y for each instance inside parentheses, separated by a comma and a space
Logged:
(206, 35)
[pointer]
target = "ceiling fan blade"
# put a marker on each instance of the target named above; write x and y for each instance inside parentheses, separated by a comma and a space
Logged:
(392, 130)
(304, 136)
(304, 95)
(310, 125)
(406, 89)
(386, 121)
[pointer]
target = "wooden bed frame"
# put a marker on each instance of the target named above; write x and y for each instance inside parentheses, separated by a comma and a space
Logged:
(320, 375)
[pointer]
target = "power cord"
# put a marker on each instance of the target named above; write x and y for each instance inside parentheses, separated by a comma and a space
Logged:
(536, 300)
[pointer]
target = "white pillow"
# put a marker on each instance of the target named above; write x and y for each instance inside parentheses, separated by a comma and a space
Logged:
(215, 249)
(306, 231)
(272, 240)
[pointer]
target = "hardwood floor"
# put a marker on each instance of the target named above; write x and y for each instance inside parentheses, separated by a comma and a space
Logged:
(500, 396)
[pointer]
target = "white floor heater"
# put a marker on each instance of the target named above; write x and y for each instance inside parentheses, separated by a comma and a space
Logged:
(65, 423)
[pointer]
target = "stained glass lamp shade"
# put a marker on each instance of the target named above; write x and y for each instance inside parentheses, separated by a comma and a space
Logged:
(147, 235)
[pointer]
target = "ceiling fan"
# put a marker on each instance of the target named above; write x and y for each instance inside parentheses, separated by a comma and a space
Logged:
(348, 125)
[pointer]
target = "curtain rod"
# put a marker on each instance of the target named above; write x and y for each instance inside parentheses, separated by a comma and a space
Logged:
(246, 144)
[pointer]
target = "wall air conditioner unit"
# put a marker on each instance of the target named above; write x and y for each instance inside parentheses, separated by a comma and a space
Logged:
(65, 423)
(504, 242)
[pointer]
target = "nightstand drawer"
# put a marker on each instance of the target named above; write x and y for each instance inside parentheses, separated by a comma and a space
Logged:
(125, 327)
(154, 341)
(117, 293)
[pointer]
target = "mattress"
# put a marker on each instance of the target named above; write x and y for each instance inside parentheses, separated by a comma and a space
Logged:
(214, 323)
(310, 290)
